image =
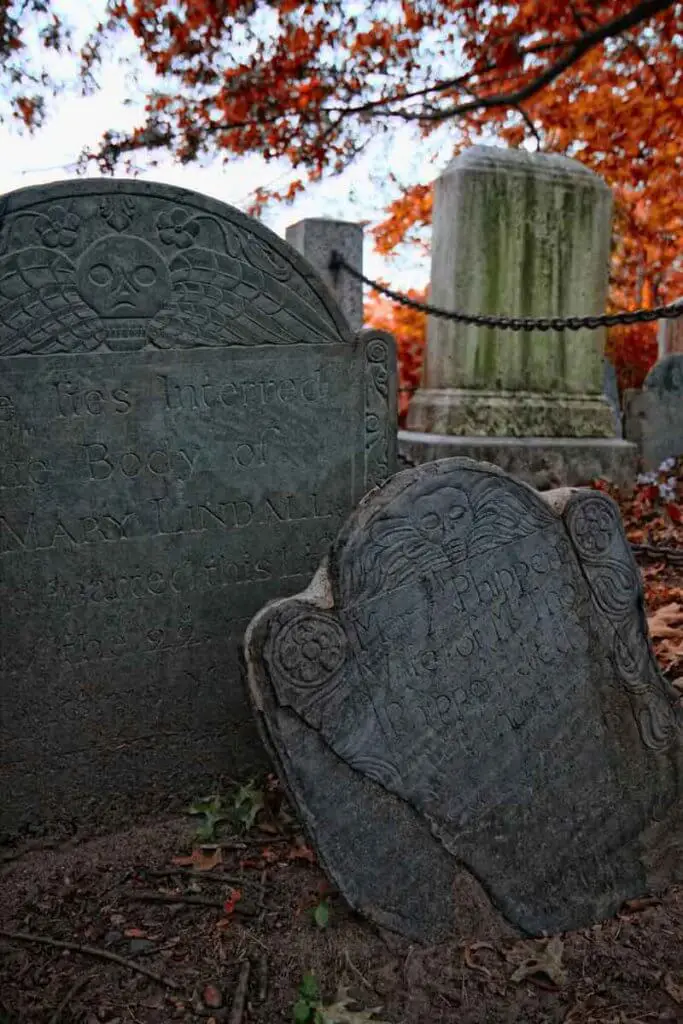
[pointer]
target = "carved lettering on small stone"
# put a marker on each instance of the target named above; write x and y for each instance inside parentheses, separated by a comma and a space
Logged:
(473, 663)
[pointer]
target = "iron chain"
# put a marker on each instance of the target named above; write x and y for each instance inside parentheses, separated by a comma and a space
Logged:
(514, 323)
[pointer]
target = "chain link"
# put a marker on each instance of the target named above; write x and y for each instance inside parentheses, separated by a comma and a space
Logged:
(513, 323)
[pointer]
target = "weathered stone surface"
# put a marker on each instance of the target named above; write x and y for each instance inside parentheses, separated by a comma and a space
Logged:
(316, 238)
(519, 234)
(513, 414)
(466, 692)
(185, 420)
(543, 462)
(653, 417)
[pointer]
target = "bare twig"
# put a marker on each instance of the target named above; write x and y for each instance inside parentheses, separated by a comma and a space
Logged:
(251, 841)
(71, 994)
(101, 954)
(262, 978)
(359, 975)
(245, 910)
(199, 876)
(240, 998)
(262, 895)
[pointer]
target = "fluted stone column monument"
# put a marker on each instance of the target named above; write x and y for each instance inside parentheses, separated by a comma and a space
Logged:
(526, 235)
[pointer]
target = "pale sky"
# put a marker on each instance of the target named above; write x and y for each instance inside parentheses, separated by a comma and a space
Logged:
(360, 194)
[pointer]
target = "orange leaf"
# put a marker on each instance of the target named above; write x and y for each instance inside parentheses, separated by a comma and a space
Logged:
(200, 860)
(301, 853)
(667, 621)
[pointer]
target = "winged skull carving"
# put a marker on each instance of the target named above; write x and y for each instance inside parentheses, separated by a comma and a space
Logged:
(123, 292)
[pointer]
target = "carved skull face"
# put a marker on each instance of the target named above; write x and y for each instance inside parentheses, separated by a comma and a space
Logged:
(123, 276)
(444, 518)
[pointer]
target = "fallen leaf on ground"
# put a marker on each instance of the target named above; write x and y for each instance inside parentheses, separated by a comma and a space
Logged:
(667, 621)
(547, 961)
(674, 989)
(232, 900)
(200, 860)
(641, 904)
(339, 1012)
(469, 962)
(302, 853)
(212, 997)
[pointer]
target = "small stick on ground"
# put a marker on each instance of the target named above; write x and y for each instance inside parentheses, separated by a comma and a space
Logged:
(201, 876)
(240, 998)
(262, 896)
(245, 910)
(71, 994)
(358, 974)
(101, 954)
(263, 978)
(251, 841)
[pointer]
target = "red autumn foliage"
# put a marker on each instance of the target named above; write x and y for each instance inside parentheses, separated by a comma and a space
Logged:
(632, 349)
(311, 82)
(653, 516)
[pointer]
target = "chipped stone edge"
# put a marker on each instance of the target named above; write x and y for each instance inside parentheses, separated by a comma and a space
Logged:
(318, 593)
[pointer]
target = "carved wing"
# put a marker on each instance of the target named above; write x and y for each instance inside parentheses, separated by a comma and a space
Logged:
(503, 516)
(40, 309)
(225, 299)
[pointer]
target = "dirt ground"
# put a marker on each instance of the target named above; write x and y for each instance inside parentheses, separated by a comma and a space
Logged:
(152, 941)
(209, 957)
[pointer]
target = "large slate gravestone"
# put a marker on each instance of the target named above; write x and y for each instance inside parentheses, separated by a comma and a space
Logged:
(465, 701)
(653, 417)
(185, 421)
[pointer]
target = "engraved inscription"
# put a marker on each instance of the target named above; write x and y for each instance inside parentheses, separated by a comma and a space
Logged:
(480, 654)
(182, 433)
(98, 401)
(249, 394)
(38, 530)
(102, 463)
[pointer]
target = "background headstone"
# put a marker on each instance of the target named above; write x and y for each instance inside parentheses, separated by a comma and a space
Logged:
(316, 238)
(653, 417)
(185, 420)
(466, 696)
(518, 234)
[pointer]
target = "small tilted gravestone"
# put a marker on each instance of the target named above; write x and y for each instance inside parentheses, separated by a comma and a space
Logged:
(464, 706)
(653, 417)
(185, 421)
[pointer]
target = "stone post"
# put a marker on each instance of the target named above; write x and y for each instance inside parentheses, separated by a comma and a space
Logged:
(670, 336)
(518, 234)
(316, 238)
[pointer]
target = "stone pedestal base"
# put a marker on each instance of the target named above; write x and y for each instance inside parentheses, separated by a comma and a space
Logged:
(543, 462)
(510, 413)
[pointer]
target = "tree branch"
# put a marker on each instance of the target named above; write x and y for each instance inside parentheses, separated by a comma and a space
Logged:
(641, 12)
